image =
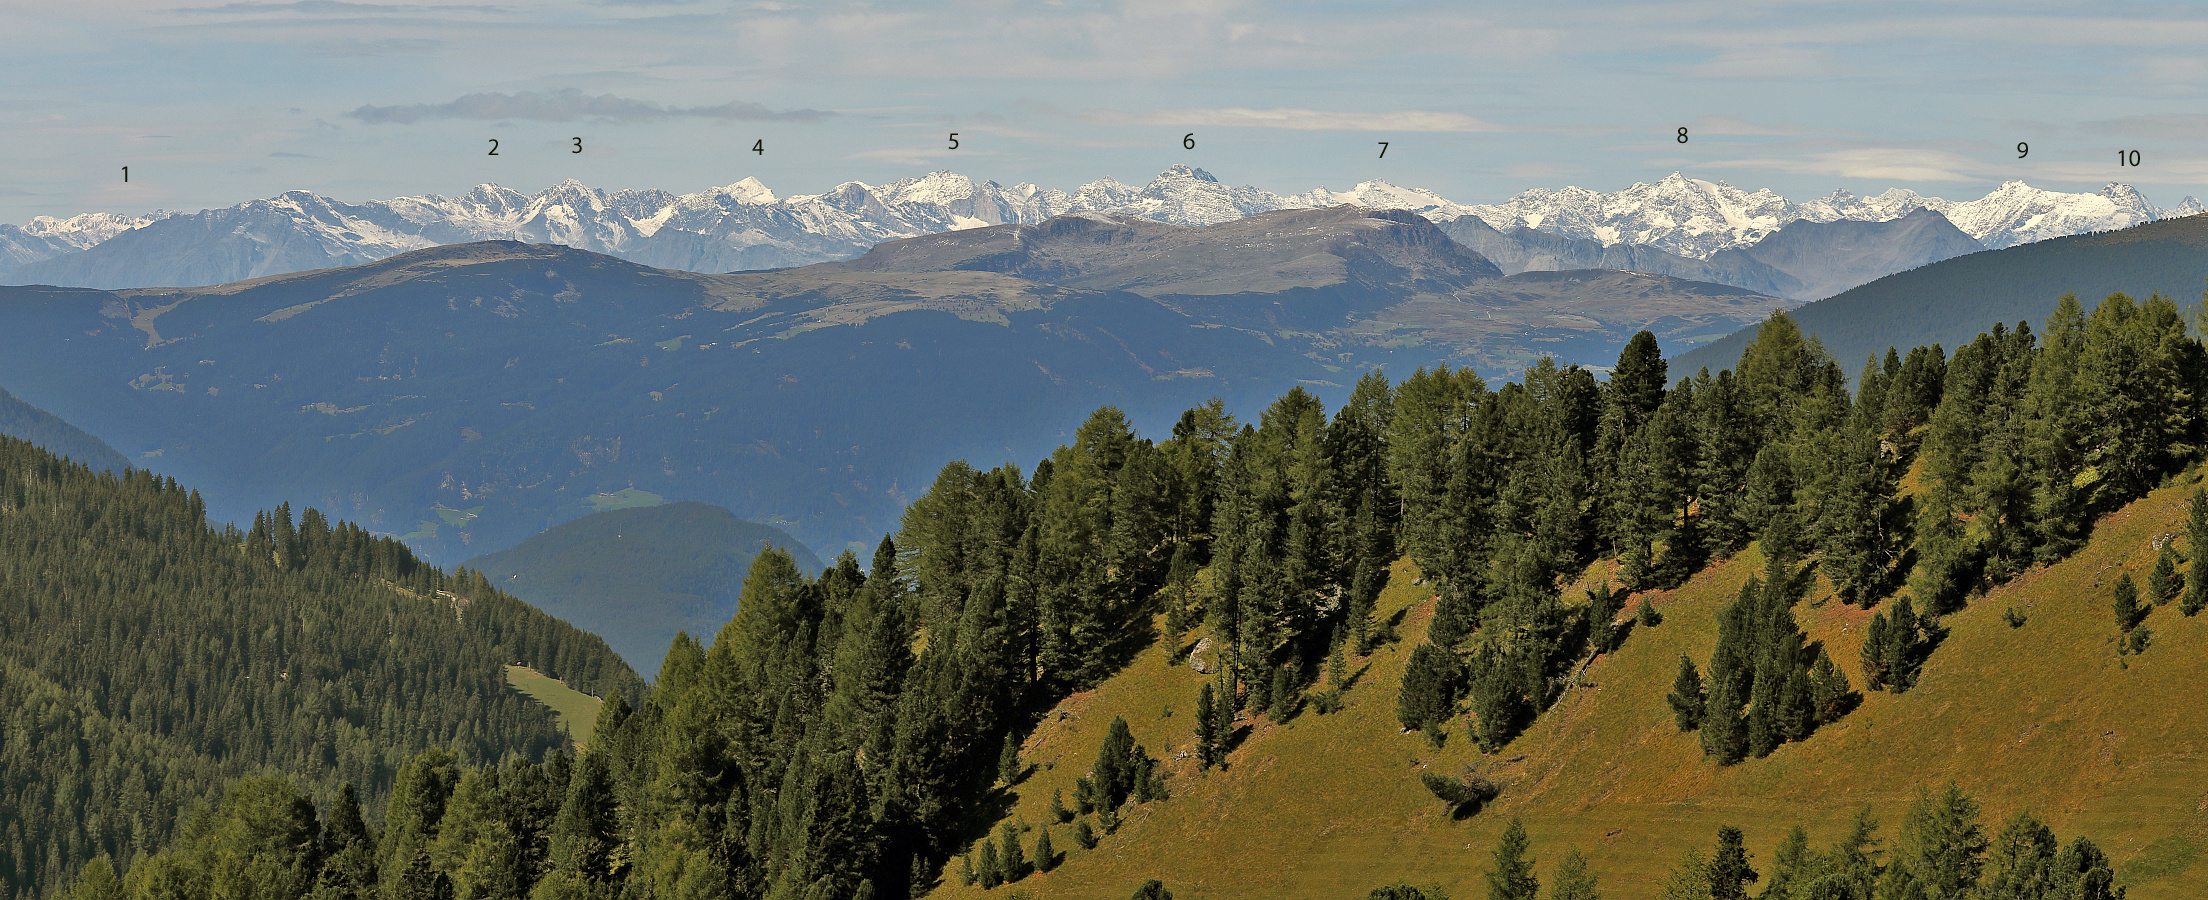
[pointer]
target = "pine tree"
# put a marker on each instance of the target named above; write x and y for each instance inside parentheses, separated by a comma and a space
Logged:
(348, 851)
(1046, 856)
(988, 869)
(1602, 613)
(2196, 541)
(1729, 871)
(1431, 683)
(1083, 835)
(1941, 843)
(1015, 858)
(2164, 584)
(1207, 728)
(1831, 696)
(1511, 877)
(97, 881)
(1285, 696)
(1153, 890)
(1572, 881)
(1058, 810)
(1687, 697)
(1337, 661)
(1790, 866)
(1724, 734)
(1009, 768)
(2124, 599)
(2021, 862)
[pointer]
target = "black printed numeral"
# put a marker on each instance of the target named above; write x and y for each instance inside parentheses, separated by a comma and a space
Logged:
(2127, 158)
(1682, 134)
(2023, 149)
(954, 141)
(1188, 141)
(1383, 150)
(759, 146)
(578, 146)
(494, 147)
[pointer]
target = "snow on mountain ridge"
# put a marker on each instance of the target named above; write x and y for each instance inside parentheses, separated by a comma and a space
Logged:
(744, 225)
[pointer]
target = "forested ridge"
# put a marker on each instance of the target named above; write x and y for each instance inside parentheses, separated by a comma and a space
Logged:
(147, 659)
(851, 735)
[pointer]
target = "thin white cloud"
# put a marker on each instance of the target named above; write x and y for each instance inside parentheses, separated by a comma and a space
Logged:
(1408, 120)
(570, 105)
(1873, 164)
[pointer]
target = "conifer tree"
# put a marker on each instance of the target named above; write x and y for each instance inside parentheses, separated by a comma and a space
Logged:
(1941, 842)
(97, 881)
(2124, 599)
(1572, 881)
(1046, 856)
(1431, 682)
(1510, 876)
(1724, 733)
(1687, 698)
(1207, 728)
(2196, 542)
(1008, 761)
(1729, 870)
(348, 851)
(1058, 810)
(1602, 613)
(988, 869)
(1153, 890)
(2163, 583)
(1285, 696)
(2020, 864)
(1083, 835)
(1015, 858)
(1831, 696)
(1790, 866)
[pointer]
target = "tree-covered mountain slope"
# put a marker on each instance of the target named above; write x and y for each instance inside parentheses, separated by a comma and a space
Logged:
(637, 576)
(25, 422)
(147, 659)
(469, 396)
(1949, 301)
(2045, 718)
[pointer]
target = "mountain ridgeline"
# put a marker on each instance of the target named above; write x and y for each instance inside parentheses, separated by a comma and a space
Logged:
(148, 659)
(849, 735)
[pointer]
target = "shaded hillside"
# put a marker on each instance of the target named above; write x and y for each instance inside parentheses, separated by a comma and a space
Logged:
(25, 422)
(1821, 259)
(1948, 302)
(147, 659)
(469, 396)
(637, 576)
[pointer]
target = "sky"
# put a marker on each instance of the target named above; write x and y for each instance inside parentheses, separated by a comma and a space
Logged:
(214, 103)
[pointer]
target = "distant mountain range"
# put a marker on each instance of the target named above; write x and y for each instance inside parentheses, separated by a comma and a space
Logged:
(745, 226)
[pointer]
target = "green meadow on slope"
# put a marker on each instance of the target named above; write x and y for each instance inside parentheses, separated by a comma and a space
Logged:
(2045, 718)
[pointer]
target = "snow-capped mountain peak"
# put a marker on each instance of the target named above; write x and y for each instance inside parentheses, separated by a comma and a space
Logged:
(745, 225)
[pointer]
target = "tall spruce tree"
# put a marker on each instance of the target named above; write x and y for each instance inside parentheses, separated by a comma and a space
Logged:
(1510, 876)
(1687, 697)
(2196, 542)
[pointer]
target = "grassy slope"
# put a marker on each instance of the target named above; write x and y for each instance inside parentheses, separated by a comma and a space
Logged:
(2042, 717)
(577, 711)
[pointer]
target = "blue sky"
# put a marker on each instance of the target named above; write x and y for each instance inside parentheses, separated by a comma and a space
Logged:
(211, 103)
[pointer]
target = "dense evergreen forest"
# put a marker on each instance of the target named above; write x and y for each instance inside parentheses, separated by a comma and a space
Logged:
(849, 735)
(147, 660)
